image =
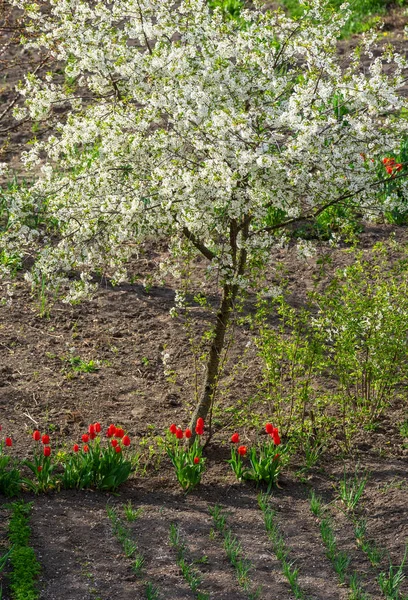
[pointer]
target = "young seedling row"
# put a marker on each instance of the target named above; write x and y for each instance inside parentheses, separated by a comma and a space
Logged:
(203, 544)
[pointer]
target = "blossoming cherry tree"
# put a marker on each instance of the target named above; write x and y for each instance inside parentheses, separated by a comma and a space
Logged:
(210, 134)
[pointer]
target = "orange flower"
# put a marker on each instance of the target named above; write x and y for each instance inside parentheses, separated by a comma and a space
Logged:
(388, 161)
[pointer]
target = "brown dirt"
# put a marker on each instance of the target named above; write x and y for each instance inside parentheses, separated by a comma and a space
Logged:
(80, 558)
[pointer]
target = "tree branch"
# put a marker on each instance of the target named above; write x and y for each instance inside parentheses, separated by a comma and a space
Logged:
(198, 244)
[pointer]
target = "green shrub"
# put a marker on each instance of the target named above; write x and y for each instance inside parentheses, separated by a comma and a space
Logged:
(364, 13)
(338, 363)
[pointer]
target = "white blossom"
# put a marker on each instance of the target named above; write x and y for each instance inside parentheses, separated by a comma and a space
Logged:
(182, 125)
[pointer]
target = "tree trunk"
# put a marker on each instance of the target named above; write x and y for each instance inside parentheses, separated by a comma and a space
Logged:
(229, 295)
(217, 345)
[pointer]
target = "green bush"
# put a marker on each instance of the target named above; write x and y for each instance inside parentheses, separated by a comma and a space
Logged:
(338, 363)
(364, 13)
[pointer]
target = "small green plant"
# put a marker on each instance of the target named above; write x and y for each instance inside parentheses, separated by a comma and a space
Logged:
(188, 461)
(10, 261)
(390, 582)
(233, 550)
(78, 365)
(130, 513)
(352, 489)
(373, 552)
(190, 574)
(279, 546)
(124, 536)
(316, 504)
(152, 592)
(265, 459)
(404, 429)
(312, 452)
(151, 454)
(356, 591)
(328, 537)
(10, 479)
(24, 565)
(341, 562)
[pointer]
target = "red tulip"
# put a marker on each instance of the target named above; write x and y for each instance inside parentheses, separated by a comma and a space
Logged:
(118, 449)
(91, 429)
(97, 427)
(47, 450)
(92, 435)
(75, 448)
(111, 430)
(36, 435)
(269, 428)
(179, 434)
(119, 433)
(276, 438)
(9, 442)
(200, 426)
(85, 449)
(235, 438)
(242, 450)
(45, 439)
(85, 438)
(126, 440)
(188, 433)
(196, 460)
(114, 443)
(39, 468)
(173, 428)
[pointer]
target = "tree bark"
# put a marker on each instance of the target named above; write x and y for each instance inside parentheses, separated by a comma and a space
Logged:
(213, 364)
(229, 295)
